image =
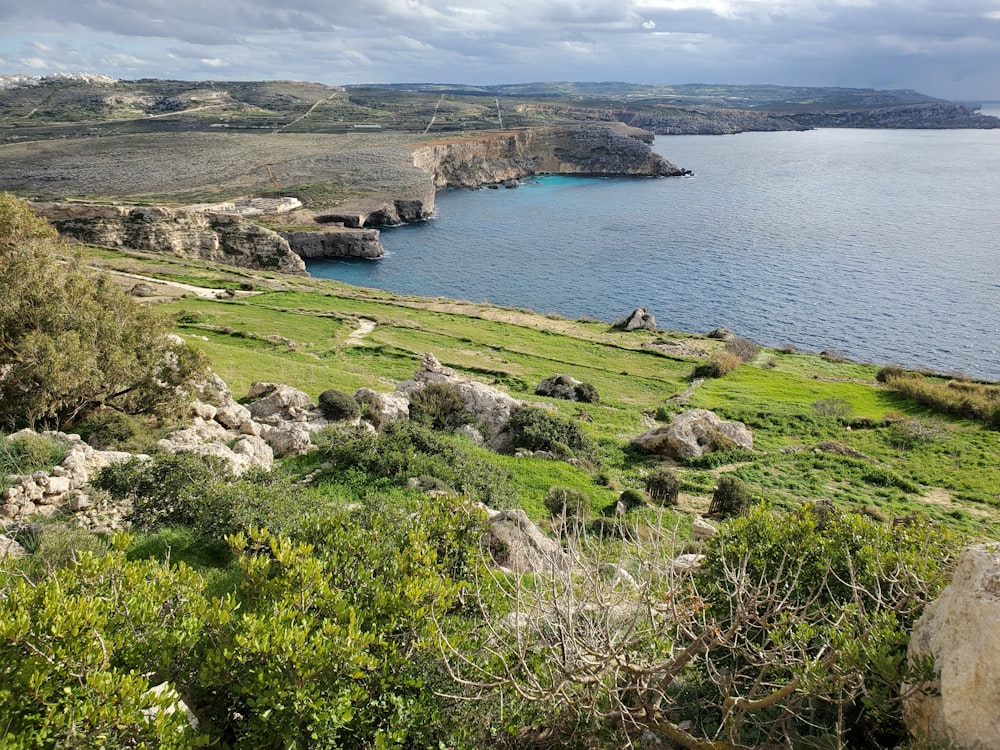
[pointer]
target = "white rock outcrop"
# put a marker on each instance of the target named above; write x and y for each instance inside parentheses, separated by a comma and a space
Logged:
(694, 433)
(961, 631)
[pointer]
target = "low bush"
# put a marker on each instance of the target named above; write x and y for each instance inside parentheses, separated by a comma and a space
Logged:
(27, 453)
(439, 406)
(744, 348)
(717, 458)
(631, 499)
(720, 363)
(537, 429)
(202, 494)
(970, 400)
(834, 408)
(731, 497)
(587, 394)
(888, 372)
(662, 486)
(408, 449)
(338, 406)
(118, 431)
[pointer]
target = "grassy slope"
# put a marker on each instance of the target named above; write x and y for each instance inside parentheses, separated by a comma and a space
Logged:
(952, 477)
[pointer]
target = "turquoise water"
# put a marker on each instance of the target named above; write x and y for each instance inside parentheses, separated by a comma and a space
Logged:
(883, 245)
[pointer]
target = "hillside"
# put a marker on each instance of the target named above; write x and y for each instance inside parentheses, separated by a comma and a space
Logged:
(61, 107)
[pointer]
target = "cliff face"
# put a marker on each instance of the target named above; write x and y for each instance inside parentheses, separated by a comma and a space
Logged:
(336, 243)
(563, 149)
(220, 238)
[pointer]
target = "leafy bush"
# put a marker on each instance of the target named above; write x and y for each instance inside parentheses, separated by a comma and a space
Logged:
(115, 430)
(720, 363)
(438, 405)
(337, 405)
(408, 449)
(662, 486)
(537, 429)
(744, 348)
(631, 499)
(74, 341)
(731, 497)
(567, 502)
(202, 494)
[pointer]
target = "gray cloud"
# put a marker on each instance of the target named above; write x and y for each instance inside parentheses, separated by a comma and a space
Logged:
(948, 48)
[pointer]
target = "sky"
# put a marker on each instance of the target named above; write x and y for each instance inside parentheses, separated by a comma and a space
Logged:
(945, 48)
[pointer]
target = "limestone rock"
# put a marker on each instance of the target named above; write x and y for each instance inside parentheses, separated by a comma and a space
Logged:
(514, 542)
(213, 390)
(702, 529)
(638, 319)
(383, 408)
(257, 451)
(488, 407)
(232, 416)
(961, 631)
(10, 548)
(686, 563)
(694, 433)
(287, 442)
(277, 402)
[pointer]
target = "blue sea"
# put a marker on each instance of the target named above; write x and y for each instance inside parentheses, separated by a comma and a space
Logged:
(883, 245)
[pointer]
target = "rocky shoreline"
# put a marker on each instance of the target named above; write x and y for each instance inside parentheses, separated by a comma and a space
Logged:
(484, 160)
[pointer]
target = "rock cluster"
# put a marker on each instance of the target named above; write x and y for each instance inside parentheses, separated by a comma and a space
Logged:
(567, 388)
(336, 243)
(515, 543)
(489, 408)
(278, 422)
(694, 433)
(960, 630)
(62, 488)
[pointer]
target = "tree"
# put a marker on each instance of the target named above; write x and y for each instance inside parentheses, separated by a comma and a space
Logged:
(71, 341)
(793, 626)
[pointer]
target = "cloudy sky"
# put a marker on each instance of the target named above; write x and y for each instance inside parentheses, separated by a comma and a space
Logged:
(946, 48)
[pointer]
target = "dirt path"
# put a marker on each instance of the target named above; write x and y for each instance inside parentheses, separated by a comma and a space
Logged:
(199, 291)
(308, 112)
(357, 336)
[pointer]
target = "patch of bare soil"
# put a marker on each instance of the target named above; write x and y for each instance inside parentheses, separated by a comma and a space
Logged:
(939, 496)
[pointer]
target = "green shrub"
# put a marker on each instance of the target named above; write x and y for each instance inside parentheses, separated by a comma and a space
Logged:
(537, 429)
(631, 499)
(720, 363)
(202, 494)
(115, 430)
(27, 453)
(567, 502)
(337, 405)
(717, 458)
(662, 486)
(731, 497)
(408, 449)
(55, 545)
(438, 405)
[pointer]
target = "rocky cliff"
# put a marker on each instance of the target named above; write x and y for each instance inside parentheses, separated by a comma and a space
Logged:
(612, 149)
(336, 243)
(221, 238)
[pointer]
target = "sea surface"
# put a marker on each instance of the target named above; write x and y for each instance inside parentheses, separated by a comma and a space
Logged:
(883, 245)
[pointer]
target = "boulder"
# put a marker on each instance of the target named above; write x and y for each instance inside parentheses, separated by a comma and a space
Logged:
(232, 416)
(488, 407)
(11, 548)
(558, 386)
(694, 433)
(257, 452)
(517, 544)
(638, 319)
(213, 390)
(277, 402)
(960, 630)
(290, 441)
(383, 408)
